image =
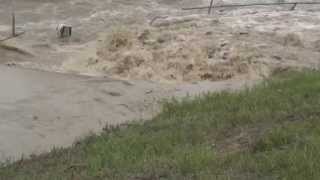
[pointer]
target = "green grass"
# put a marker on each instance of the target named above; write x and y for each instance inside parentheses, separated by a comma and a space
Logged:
(269, 132)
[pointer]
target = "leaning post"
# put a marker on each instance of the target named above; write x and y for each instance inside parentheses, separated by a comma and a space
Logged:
(210, 7)
(13, 24)
(13, 18)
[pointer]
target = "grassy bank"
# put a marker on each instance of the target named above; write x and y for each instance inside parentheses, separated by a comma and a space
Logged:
(270, 132)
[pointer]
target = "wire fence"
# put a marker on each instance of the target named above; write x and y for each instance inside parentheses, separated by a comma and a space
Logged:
(212, 6)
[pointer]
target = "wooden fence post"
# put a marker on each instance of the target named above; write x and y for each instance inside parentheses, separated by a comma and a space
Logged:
(210, 7)
(13, 24)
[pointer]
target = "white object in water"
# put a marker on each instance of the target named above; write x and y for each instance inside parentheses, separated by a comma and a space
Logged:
(64, 30)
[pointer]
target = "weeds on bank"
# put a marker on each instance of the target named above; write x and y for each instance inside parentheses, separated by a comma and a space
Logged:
(269, 132)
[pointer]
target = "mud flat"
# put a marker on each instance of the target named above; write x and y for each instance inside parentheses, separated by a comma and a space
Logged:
(42, 110)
